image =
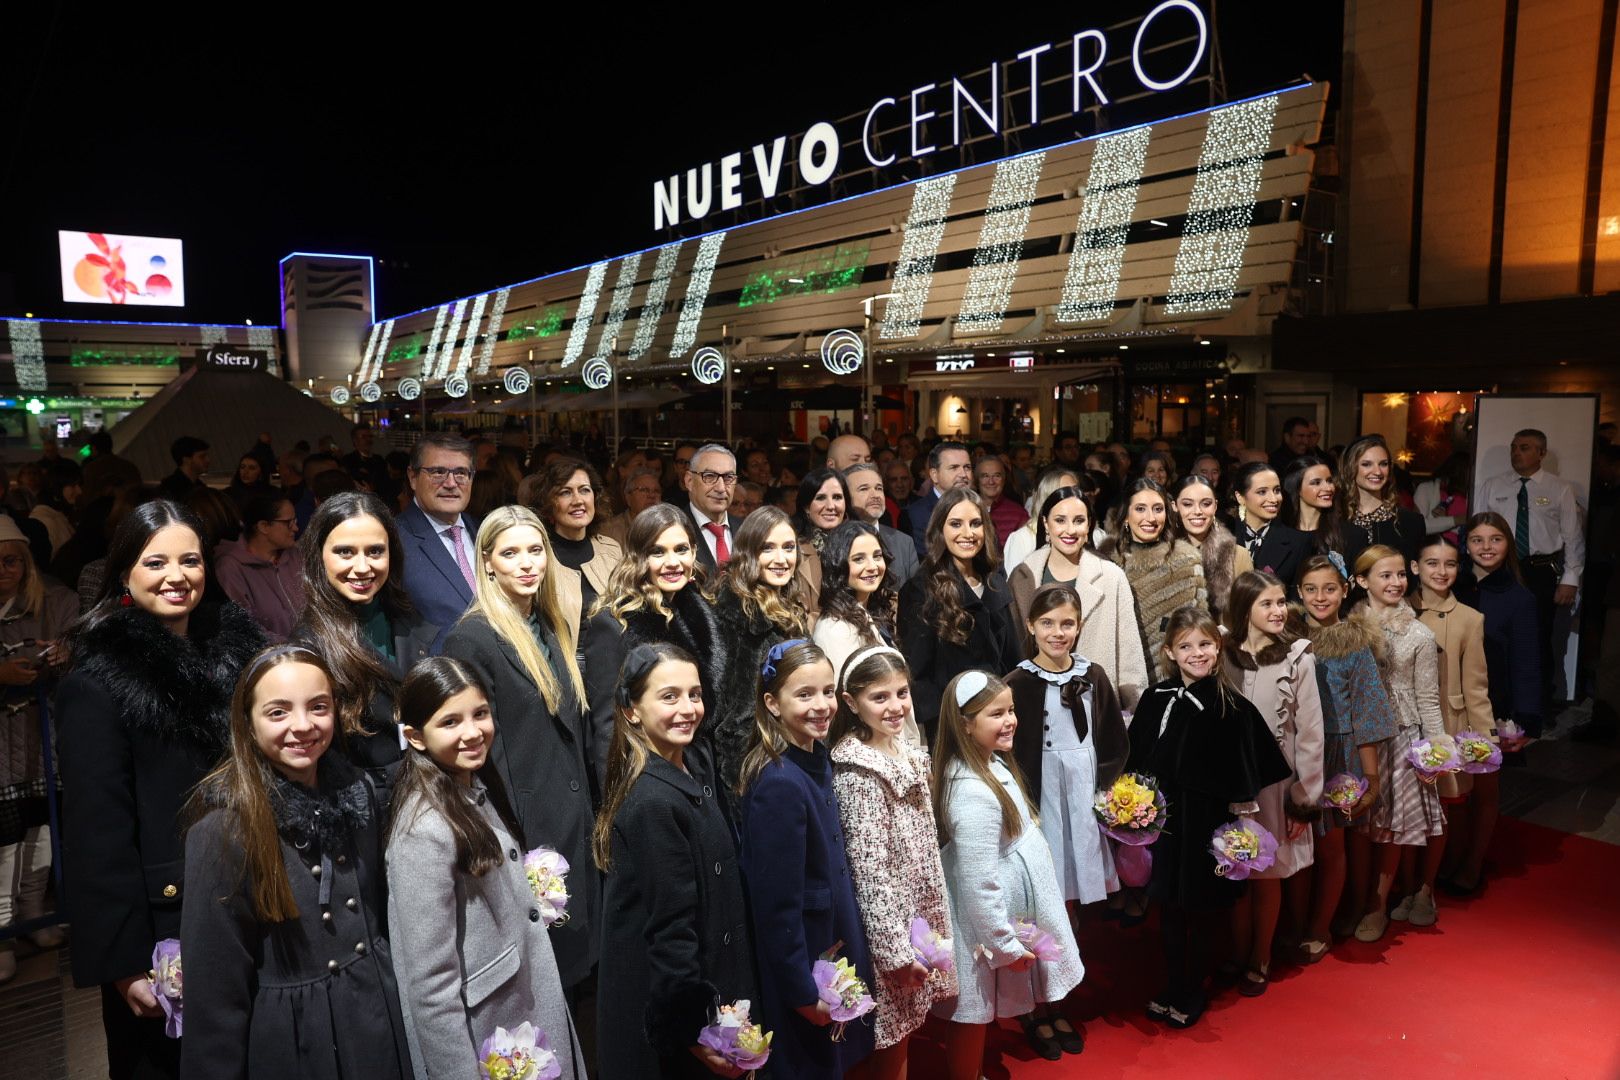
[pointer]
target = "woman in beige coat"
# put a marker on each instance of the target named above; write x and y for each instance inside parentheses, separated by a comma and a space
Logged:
(1109, 636)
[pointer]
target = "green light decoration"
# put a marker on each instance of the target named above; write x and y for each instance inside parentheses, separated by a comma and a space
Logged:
(35, 406)
(409, 349)
(813, 272)
(110, 358)
(548, 322)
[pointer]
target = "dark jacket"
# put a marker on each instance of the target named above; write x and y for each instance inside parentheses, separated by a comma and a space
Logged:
(143, 716)
(540, 757)
(315, 997)
(1512, 652)
(1109, 742)
(914, 519)
(675, 940)
(803, 903)
(438, 589)
(746, 639)
(378, 749)
(1405, 532)
(1281, 552)
(993, 644)
(704, 555)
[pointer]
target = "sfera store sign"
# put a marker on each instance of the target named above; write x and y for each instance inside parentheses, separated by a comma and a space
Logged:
(225, 358)
(1094, 77)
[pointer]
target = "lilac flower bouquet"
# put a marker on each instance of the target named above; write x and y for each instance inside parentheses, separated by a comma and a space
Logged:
(1432, 758)
(933, 952)
(1039, 942)
(845, 992)
(1479, 754)
(744, 1044)
(1241, 848)
(547, 871)
(1343, 791)
(168, 984)
(520, 1054)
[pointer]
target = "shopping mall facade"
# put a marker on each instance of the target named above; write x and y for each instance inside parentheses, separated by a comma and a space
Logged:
(1453, 226)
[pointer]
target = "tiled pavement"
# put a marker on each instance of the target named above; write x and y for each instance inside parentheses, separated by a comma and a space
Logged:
(50, 1031)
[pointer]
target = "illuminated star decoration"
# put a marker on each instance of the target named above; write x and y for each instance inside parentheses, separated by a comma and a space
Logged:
(1001, 243)
(1112, 185)
(1221, 208)
(914, 266)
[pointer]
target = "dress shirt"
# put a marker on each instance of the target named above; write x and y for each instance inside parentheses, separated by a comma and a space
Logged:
(468, 541)
(1555, 520)
(703, 520)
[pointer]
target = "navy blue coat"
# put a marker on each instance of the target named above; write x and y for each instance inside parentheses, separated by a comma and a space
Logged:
(803, 904)
(1512, 652)
(915, 519)
(439, 591)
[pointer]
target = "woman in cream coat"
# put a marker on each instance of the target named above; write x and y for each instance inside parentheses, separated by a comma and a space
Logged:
(1108, 631)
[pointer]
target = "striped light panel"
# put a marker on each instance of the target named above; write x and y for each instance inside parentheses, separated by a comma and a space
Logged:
(585, 313)
(914, 268)
(619, 304)
(480, 302)
(1001, 244)
(697, 293)
(653, 307)
(1092, 282)
(496, 314)
(428, 358)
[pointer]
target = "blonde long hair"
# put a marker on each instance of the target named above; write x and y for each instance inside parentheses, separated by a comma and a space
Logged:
(30, 599)
(512, 624)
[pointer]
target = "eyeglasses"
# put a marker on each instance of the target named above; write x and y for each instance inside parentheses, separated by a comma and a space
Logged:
(284, 521)
(711, 478)
(439, 474)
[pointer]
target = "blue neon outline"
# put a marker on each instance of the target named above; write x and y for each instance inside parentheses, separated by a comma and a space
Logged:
(281, 279)
(877, 191)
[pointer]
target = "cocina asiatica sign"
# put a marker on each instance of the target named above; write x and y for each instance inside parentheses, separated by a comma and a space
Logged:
(820, 144)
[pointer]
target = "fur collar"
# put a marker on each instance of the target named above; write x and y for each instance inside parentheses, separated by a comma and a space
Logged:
(1275, 653)
(174, 688)
(1218, 550)
(692, 627)
(1349, 636)
(329, 815)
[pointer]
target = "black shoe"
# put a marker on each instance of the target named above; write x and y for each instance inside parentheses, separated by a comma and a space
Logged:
(1047, 1047)
(1067, 1036)
(1187, 1014)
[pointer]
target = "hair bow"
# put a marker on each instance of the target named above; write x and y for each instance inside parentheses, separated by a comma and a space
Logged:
(767, 672)
(1338, 561)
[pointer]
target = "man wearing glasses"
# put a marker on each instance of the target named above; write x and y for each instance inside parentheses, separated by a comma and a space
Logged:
(709, 485)
(439, 538)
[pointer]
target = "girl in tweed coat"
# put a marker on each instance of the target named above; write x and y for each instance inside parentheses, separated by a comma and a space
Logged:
(885, 803)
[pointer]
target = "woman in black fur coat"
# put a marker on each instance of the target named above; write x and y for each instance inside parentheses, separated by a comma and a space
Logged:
(142, 717)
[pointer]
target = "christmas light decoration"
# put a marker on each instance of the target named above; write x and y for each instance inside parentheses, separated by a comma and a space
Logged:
(496, 314)
(654, 306)
(447, 347)
(264, 337)
(433, 342)
(215, 335)
(697, 293)
(370, 392)
(479, 303)
(456, 386)
(382, 350)
(596, 373)
(914, 267)
(708, 365)
(28, 353)
(842, 352)
(1001, 243)
(371, 349)
(340, 395)
(584, 313)
(1106, 206)
(1221, 208)
(619, 304)
(409, 389)
(517, 380)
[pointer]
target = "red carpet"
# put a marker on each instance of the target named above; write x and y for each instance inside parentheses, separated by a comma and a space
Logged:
(1522, 981)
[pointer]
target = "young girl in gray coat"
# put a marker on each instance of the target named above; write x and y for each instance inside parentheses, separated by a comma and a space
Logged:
(470, 937)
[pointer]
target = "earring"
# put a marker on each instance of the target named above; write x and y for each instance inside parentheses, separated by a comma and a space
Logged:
(126, 600)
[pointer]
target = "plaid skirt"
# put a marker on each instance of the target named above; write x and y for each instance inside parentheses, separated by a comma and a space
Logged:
(1407, 811)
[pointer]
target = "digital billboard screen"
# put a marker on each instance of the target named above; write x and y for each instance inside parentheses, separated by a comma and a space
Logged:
(102, 268)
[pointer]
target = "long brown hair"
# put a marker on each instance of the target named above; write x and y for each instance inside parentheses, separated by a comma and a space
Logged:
(943, 606)
(241, 786)
(627, 756)
(1246, 590)
(768, 740)
(629, 588)
(861, 670)
(330, 624)
(1349, 496)
(431, 683)
(952, 743)
(1499, 523)
(784, 608)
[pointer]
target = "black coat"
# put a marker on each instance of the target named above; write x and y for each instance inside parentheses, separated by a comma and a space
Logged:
(540, 757)
(1512, 649)
(142, 717)
(1109, 742)
(1215, 750)
(675, 940)
(704, 555)
(1406, 533)
(1280, 553)
(994, 643)
(310, 998)
(378, 750)
(746, 640)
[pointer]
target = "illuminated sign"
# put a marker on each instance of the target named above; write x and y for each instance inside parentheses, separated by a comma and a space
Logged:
(947, 364)
(101, 268)
(1021, 361)
(1095, 57)
(225, 358)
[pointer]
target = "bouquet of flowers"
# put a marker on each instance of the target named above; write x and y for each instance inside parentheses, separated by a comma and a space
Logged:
(520, 1054)
(845, 993)
(1131, 811)
(546, 870)
(1512, 735)
(168, 983)
(1430, 758)
(933, 952)
(1039, 942)
(744, 1044)
(1343, 792)
(1241, 848)
(1479, 754)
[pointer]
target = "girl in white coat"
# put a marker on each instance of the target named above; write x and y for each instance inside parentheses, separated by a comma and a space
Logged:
(999, 872)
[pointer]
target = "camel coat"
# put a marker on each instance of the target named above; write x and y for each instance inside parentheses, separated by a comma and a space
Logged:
(1465, 689)
(1108, 633)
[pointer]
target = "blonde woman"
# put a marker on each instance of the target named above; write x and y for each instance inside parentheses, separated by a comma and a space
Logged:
(519, 641)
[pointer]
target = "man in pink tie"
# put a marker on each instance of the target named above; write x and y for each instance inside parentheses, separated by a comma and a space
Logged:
(710, 482)
(440, 540)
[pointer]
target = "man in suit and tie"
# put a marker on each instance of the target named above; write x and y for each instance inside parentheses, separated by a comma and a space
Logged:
(949, 466)
(710, 481)
(441, 541)
(867, 503)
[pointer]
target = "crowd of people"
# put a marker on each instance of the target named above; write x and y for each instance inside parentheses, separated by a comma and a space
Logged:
(852, 702)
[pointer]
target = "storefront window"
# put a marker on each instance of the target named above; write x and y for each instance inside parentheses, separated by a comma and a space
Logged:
(1422, 428)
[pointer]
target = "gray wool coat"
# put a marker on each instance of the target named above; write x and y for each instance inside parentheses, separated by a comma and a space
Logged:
(470, 953)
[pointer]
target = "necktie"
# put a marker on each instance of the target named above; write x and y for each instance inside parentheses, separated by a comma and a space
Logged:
(1521, 526)
(722, 554)
(461, 554)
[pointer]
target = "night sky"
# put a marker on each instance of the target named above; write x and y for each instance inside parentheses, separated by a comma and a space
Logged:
(467, 153)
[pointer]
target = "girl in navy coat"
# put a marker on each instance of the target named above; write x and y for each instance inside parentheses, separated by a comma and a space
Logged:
(794, 863)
